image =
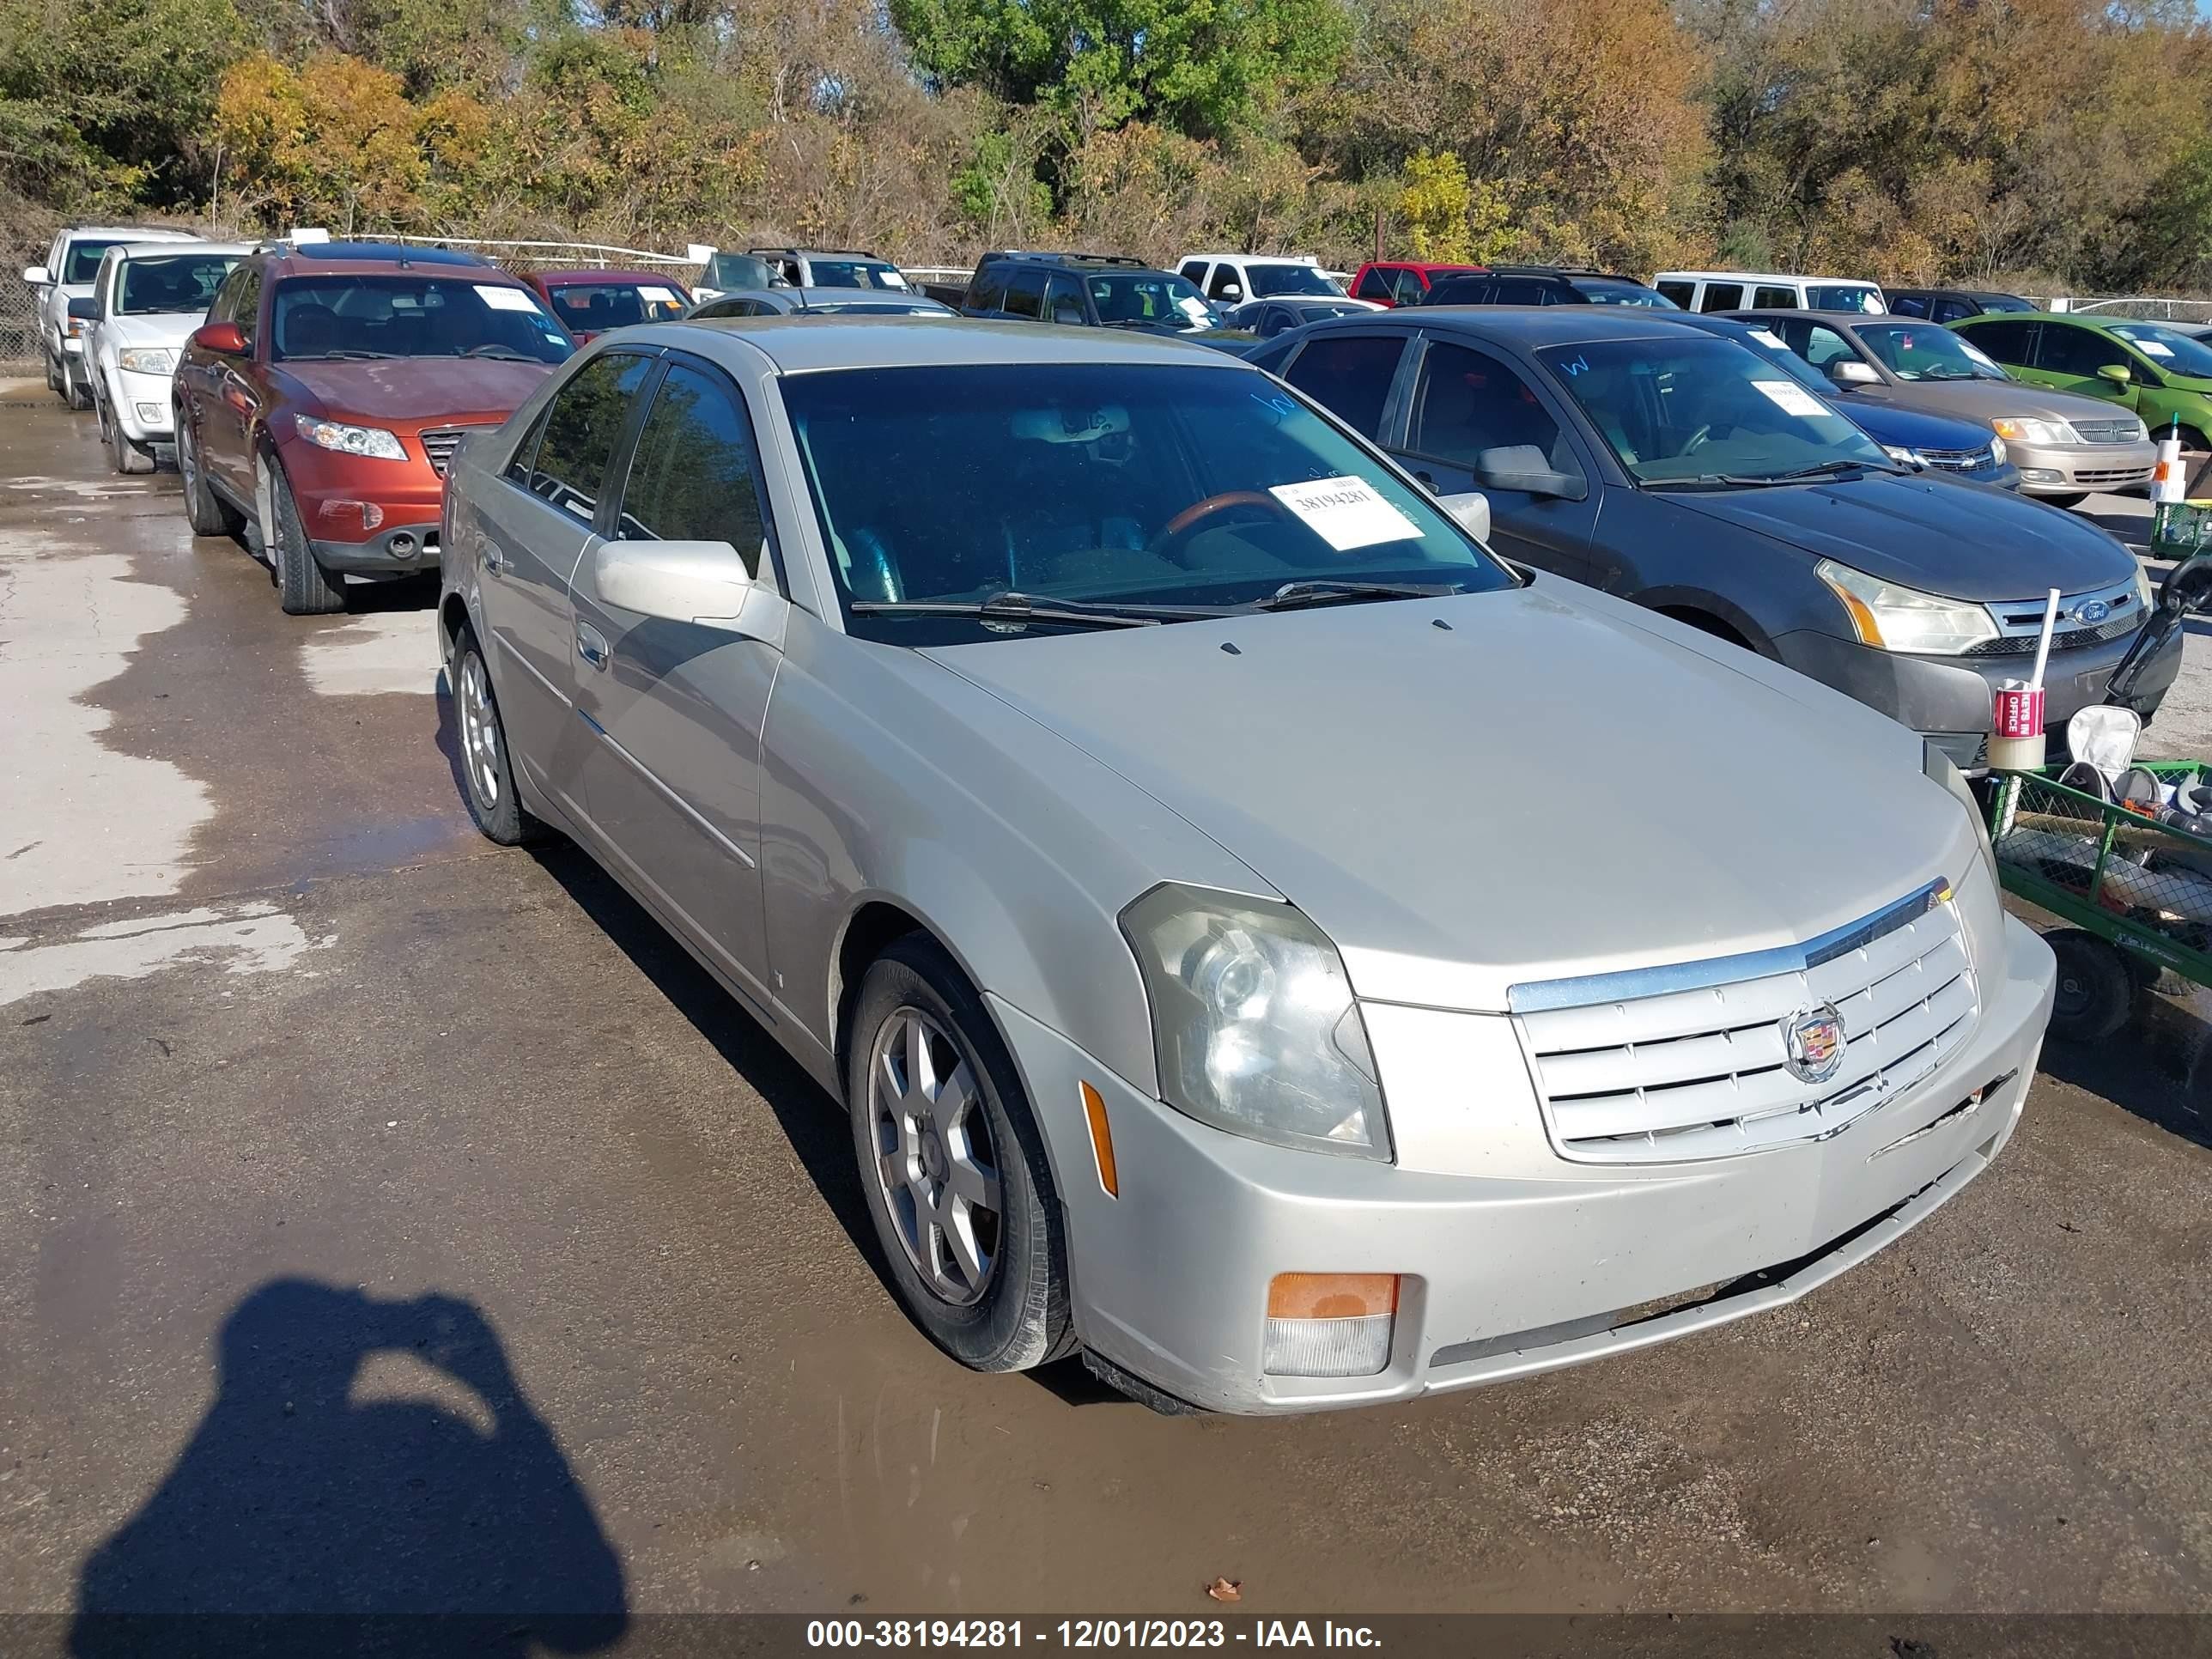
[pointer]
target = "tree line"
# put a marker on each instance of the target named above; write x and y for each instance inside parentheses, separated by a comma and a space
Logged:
(2064, 143)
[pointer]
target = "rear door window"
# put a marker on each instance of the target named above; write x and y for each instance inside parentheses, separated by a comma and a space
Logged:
(1520, 291)
(2007, 342)
(1774, 299)
(1192, 272)
(583, 424)
(1680, 293)
(2077, 351)
(1350, 375)
(1911, 305)
(1026, 294)
(1721, 296)
(1952, 310)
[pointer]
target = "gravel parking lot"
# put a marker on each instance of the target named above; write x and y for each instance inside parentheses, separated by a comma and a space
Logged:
(389, 1214)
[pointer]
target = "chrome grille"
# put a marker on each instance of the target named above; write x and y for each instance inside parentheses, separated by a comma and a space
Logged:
(1959, 460)
(2109, 477)
(1686, 1062)
(439, 443)
(2106, 432)
(2020, 621)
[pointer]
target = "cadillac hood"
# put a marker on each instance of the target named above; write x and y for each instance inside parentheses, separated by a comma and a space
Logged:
(1552, 784)
(415, 391)
(1941, 536)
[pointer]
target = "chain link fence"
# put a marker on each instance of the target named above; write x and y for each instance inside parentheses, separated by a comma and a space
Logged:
(19, 326)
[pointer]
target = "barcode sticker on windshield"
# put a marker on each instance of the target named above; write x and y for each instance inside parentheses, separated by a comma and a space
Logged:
(652, 294)
(2156, 347)
(891, 279)
(1346, 513)
(1767, 336)
(1792, 399)
(501, 298)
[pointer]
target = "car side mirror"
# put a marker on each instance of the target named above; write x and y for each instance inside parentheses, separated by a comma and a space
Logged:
(225, 339)
(37, 276)
(85, 309)
(1230, 292)
(2117, 374)
(1067, 313)
(1470, 510)
(1850, 371)
(694, 582)
(2188, 586)
(1527, 471)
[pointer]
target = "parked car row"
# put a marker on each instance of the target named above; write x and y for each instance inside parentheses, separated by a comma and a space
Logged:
(1322, 1058)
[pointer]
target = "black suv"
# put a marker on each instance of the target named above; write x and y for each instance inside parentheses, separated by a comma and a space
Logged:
(1948, 304)
(1543, 285)
(1095, 290)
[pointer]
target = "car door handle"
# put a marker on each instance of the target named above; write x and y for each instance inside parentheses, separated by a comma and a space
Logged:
(494, 560)
(591, 645)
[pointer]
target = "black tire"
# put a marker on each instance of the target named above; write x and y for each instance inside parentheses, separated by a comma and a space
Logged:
(207, 513)
(304, 588)
(2061, 501)
(487, 769)
(2095, 989)
(1020, 1318)
(123, 455)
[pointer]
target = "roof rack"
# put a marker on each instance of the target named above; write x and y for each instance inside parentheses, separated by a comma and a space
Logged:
(1065, 257)
(1546, 271)
(370, 252)
(809, 252)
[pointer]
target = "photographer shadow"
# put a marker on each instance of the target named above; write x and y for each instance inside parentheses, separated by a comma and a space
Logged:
(304, 1517)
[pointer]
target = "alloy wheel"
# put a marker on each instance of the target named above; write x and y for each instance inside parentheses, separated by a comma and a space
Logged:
(935, 1166)
(480, 747)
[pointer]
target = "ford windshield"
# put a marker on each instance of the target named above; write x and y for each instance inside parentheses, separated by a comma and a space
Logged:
(957, 502)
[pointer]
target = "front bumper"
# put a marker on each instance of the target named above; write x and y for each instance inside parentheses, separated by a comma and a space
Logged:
(371, 517)
(1950, 699)
(1543, 1264)
(2082, 469)
(140, 406)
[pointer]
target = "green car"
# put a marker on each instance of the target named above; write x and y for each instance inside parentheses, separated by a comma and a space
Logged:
(2161, 373)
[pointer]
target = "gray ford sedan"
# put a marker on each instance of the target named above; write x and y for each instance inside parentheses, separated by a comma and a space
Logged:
(1261, 941)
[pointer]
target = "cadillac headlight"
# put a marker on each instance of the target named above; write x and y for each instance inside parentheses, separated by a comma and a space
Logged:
(146, 360)
(1255, 1022)
(1937, 765)
(371, 441)
(1891, 617)
(2022, 430)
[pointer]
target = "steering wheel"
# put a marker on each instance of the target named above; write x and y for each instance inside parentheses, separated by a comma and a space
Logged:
(1194, 516)
(1697, 439)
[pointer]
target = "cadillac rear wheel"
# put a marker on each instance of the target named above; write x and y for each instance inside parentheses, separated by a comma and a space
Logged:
(487, 769)
(953, 1166)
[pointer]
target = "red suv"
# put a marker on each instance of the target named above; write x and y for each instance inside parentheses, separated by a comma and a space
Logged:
(320, 403)
(1403, 282)
(593, 302)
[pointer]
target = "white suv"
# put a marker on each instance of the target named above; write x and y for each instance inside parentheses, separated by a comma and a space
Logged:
(71, 263)
(1762, 291)
(1230, 279)
(146, 301)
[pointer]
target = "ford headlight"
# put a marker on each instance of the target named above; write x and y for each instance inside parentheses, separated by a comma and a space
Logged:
(1255, 1022)
(1891, 617)
(2021, 429)
(1937, 765)
(371, 441)
(146, 360)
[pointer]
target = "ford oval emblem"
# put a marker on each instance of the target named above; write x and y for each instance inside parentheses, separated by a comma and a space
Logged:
(1813, 1043)
(2092, 611)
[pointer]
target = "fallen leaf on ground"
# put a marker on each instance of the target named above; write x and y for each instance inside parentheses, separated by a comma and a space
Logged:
(1225, 1590)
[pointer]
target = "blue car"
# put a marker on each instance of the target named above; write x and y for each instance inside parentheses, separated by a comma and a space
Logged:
(1937, 442)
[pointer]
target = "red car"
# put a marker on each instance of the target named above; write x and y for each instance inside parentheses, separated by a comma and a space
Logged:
(1402, 282)
(593, 302)
(320, 403)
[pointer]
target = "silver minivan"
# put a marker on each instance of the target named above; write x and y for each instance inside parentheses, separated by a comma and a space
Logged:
(1260, 941)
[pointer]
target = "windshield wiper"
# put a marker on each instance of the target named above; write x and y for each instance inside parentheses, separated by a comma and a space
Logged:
(1762, 480)
(1293, 596)
(343, 355)
(1019, 608)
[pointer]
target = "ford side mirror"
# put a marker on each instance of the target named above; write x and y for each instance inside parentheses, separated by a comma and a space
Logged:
(1527, 471)
(37, 276)
(2117, 373)
(1850, 371)
(84, 309)
(1231, 293)
(225, 339)
(1470, 510)
(700, 582)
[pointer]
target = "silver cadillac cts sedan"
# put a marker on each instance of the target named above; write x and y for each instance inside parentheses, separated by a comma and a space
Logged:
(1261, 940)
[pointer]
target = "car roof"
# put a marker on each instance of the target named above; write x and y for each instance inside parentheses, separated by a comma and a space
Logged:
(138, 232)
(1763, 277)
(166, 249)
(379, 259)
(1532, 326)
(797, 345)
(1847, 319)
(566, 274)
